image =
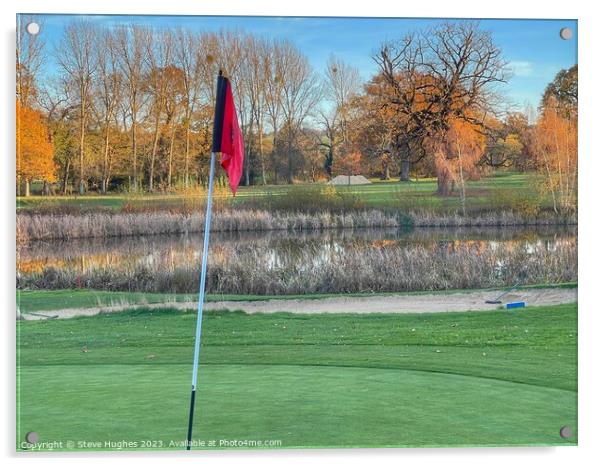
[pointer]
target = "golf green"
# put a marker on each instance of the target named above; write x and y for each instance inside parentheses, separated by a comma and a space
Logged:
(292, 406)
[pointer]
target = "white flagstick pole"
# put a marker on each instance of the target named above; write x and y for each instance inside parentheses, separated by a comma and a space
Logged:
(199, 321)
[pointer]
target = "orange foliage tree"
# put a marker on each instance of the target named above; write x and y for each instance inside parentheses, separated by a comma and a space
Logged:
(554, 141)
(349, 163)
(457, 152)
(34, 149)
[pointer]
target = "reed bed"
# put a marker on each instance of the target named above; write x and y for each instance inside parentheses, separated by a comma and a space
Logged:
(252, 269)
(104, 224)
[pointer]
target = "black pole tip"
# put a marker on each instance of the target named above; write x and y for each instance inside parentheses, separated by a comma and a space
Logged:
(221, 72)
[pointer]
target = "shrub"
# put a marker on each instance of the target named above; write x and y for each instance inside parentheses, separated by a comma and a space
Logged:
(521, 202)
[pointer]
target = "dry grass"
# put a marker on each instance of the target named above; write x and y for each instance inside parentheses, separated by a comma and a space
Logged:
(102, 224)
(252, 269)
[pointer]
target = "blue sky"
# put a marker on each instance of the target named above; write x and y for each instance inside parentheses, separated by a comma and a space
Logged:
(533, 48)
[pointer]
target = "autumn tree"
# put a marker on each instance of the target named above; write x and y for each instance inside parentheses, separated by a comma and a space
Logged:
(108, 94)
(457, 153)
(175, 108)
(161, 72)
(34, 150)
(131, 43)
(554, 140)
(77, 59)
(505, 141)
(135, 105)
(253, 85)
(274, 96)
(433, 76)
(564, 89)
(60, 113)
(191, 57)
(259, 75)
(348, 163)
(377, 127)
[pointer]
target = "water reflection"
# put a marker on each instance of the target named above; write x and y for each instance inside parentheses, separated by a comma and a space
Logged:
(280, 247)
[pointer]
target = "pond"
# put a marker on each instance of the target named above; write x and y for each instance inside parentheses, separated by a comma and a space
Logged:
(167, 253)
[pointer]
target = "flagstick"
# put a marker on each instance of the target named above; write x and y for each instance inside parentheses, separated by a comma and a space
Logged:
(199, 321)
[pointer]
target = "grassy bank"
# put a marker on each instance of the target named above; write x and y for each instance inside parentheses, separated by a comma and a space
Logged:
(496, 378)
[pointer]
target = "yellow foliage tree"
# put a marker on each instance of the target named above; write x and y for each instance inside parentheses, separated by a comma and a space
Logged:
(554, 142)
(34, 149)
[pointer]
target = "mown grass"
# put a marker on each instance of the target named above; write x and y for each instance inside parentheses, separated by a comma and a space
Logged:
(488, 378)
(414, 195)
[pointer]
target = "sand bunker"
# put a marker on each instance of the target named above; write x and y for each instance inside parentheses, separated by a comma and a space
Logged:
(402, 304)
(350, 179)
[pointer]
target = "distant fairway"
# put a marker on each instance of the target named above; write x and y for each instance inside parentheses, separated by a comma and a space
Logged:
(415, 195)
(495, 378)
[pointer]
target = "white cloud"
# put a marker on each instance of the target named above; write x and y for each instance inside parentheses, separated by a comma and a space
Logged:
(521, 68)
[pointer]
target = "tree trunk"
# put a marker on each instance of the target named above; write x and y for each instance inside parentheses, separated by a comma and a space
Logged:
(404, 157)
(26, 185)
(274, 154)
(462, 186)
(105, 166)
(247, 163)
(66, 177)
(386, 166)
(289, 159)
(170, 158)
(151, 172)
(134, 179)
(444, 185)
(81, 148)
(260, 130)
(248, 149)
(328, 161)
(187, 152)
(404, 174)
(289, 171)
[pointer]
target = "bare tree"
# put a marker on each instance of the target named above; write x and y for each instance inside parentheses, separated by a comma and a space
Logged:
(341, 84)
(158, 56)
(191, 57)
(430, 76)
(76, 57)
(251, 79)
(131, 42)
(109, 92)
(175, 107)
(300, 94)
(273, 64)
(29, 59)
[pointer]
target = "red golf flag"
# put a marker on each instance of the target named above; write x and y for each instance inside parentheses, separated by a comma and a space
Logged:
(227, 136)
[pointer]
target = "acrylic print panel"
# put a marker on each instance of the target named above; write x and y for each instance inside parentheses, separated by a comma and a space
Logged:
(398, 267)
